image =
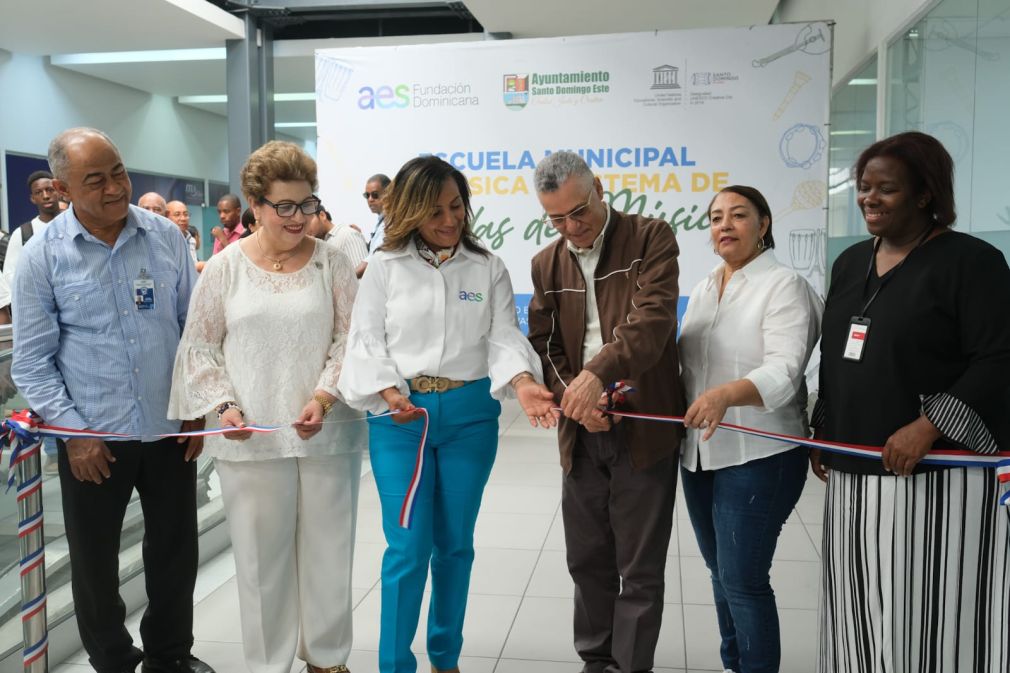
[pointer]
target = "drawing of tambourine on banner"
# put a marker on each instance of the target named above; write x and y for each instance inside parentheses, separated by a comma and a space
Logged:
(812, 39)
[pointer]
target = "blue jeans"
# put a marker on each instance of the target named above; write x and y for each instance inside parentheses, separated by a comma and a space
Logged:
(460, 451)
(737, 514)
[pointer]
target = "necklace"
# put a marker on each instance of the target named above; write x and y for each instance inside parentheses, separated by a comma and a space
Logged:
(278, 263)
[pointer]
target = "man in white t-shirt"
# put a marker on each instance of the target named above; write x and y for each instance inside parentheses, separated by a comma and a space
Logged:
(343, 236)
(5, 301)
(47, 200)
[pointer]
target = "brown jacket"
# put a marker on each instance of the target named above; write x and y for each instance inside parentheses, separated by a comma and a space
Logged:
(636, 295)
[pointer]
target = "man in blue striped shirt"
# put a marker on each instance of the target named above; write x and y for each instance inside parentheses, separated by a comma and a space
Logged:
(100, 301)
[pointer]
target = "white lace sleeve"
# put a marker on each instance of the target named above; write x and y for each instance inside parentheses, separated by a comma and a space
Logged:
(199, 380)
(345, 286)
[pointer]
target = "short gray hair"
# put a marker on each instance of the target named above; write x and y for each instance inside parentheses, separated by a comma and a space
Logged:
(59, 162)
(557, 168)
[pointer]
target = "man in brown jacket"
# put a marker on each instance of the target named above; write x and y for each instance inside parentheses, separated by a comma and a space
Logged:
(604, 310)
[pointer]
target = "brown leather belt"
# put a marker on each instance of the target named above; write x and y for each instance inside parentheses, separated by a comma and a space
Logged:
(433, 384)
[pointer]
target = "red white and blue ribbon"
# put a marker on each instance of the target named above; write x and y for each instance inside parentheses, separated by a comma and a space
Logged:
(26, 443)
(410, 500)
(941, 457)
(25, 424)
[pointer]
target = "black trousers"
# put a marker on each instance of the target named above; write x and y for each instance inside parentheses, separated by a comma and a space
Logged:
(93, 515)
(618, 522)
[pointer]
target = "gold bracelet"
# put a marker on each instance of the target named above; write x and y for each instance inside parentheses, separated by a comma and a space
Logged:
(324, 403)
(519, 377)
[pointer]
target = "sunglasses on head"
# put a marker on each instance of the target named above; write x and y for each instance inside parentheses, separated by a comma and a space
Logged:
(372, 195)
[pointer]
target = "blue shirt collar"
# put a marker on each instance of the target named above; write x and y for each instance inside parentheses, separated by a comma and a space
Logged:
(74, 228)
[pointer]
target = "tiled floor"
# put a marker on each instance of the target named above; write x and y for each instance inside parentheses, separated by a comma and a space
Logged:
(520, 607)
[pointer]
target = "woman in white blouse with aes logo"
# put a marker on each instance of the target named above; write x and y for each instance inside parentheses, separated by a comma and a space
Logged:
(434, 326)
(746, 337)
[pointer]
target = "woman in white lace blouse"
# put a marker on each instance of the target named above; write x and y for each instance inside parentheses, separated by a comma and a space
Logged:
(264, 344)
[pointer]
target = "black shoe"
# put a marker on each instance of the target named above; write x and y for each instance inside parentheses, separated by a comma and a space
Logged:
(188, 664)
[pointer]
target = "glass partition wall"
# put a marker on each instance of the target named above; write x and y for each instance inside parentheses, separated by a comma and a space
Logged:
(947, 74)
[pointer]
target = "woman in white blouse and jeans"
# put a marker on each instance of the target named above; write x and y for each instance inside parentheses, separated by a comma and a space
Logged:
(434, 327)
(744, 344)
(264, 344)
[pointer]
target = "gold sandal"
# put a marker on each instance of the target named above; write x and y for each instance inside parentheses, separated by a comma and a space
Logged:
(332, 669)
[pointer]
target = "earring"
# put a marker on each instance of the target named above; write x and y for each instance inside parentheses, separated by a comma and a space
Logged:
(761, 245)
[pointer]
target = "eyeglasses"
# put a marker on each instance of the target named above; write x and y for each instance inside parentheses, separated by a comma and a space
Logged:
(575, 215)
(309, 206)
(372, 195)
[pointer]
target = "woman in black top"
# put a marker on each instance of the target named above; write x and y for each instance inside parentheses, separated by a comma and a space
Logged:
(915, 355)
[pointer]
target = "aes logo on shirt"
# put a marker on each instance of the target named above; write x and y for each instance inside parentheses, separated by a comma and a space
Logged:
(471, 296)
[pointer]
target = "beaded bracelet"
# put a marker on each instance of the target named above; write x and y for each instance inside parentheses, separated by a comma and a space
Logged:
(324, 403)
(222, 408)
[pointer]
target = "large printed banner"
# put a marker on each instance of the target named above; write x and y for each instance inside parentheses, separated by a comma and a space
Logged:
(665, 119)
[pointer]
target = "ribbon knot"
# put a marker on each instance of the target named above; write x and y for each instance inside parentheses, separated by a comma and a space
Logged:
(1003, 475)
(23, 436)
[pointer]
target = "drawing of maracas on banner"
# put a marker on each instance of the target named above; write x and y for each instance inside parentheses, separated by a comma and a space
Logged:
(807, 195)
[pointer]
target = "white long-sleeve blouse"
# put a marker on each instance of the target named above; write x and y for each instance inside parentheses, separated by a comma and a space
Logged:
(412, 319)
(267, 341)
(763, 330)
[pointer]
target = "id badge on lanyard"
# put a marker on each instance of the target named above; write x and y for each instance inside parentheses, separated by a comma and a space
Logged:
(859, 330)
(143, 291)
(859, 325)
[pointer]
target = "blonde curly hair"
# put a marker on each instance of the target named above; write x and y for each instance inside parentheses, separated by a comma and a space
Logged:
(276, 161)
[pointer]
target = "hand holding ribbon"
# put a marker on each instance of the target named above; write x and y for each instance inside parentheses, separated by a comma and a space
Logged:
(582, 396)
(909, 445)
(597, 421)
(405, 410)
(707, 412)
(310, 421)
(232, 418)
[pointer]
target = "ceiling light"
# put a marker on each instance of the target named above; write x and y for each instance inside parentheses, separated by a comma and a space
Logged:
(152, 56)
(209, 99)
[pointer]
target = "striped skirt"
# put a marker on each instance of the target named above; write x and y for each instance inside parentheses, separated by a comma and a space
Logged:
(916, 574)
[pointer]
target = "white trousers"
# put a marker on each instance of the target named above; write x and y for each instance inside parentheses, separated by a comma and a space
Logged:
(292, 532)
